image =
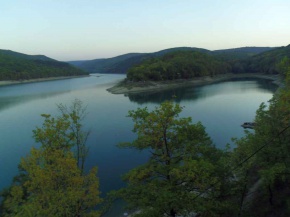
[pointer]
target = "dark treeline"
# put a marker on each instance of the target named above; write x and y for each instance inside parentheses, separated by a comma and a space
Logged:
(16, 66)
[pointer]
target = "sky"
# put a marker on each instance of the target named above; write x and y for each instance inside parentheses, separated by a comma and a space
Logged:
(89, 29)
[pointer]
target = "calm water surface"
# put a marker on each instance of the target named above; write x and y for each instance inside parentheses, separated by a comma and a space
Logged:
(221, 107)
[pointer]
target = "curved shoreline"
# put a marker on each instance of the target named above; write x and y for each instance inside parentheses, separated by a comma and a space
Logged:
(149, 86)
(12, 82)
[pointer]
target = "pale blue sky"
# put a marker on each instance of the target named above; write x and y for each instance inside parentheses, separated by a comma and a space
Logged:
(89, 29)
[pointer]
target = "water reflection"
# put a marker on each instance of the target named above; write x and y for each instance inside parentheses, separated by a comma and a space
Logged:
(230, 86)
(9, 102)
(13, 95)
(221, 107)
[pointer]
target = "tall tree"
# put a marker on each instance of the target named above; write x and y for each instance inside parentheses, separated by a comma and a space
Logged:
(51, 183)
(184, 171)
(267, 152)
(76, 113)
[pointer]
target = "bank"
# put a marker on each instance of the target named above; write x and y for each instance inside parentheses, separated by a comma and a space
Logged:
(12, 82)
(126, 87)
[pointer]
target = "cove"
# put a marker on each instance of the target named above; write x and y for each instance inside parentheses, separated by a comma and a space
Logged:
(221, 107)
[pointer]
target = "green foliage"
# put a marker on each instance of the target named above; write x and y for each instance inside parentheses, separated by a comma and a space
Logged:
(52, 181)
(76, 113)
(16, 66)
(269, 149)
(284, 68)
(183, 165)
(54, 186)
(178, 65)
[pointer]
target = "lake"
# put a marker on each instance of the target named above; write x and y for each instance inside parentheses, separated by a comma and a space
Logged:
(221, 107)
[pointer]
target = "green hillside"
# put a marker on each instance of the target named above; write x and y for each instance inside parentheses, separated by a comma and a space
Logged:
(18, 66)
(265, 62)
(178, 65)
(25, 56)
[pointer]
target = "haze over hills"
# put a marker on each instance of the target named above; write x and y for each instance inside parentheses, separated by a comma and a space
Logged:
(19, 66)
(121, 64)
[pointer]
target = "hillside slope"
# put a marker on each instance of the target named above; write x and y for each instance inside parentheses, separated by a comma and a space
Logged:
(266, 62)
(18, 66)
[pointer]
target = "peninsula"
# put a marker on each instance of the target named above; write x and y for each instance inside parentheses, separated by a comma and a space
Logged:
(192, 68)
(126, 87)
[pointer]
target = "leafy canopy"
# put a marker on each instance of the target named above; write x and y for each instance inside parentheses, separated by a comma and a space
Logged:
(52, 181)
(183, 163)
(269, 151)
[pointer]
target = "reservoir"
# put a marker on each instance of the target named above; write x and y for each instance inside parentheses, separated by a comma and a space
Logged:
(221, 107)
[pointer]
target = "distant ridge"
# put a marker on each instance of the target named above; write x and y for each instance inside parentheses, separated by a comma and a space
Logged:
(121, 64)
(25, 56)
(266, 62)
(252, 50)
(19, 66)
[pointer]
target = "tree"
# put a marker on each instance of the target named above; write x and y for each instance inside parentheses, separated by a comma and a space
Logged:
(184, 171)
(267, 152)
(51, 183)
(76, 113)
(65, 131)
(54, 186)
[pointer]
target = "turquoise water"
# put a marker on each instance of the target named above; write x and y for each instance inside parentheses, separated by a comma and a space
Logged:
(221, 107)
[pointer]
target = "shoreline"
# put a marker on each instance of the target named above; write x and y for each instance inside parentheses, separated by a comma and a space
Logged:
(13, 82)
(151, 86)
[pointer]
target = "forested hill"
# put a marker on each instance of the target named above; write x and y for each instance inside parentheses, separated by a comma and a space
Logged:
(265, 62)
(178, 65)
(25, 56)
(121, 64)
(239, 53)
(18, 66)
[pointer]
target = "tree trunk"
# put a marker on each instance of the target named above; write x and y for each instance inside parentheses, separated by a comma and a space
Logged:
(271, 195)
(172, 213)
